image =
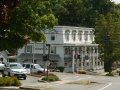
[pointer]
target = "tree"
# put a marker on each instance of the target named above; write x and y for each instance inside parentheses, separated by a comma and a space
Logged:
(80, 12)
(26, 22)
(107, 33)
(5, 8)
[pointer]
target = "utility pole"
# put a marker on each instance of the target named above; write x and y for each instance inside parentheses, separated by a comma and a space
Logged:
(33, 52)
(44, 47)
(48, 61)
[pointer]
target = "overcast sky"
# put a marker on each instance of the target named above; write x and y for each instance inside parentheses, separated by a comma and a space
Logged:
(116, 1)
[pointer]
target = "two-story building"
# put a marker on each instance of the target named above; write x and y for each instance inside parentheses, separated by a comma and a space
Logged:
(71, 47)
(4, 56)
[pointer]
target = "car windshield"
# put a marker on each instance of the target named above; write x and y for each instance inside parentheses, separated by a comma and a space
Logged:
(37, 66)
(16, 66)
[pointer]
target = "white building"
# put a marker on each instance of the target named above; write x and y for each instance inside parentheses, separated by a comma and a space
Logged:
(71, 47)
(4, 56)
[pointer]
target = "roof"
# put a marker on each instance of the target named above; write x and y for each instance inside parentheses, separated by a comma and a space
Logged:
(73, 27)
(53, 57)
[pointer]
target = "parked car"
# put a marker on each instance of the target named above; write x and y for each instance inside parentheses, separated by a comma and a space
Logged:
(34, 68)
(2, 67)
(15, 69)
(118, 71)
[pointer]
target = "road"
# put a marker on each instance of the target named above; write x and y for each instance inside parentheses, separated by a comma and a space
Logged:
(100, 82)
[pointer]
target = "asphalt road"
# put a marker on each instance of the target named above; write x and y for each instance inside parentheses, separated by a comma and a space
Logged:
(98, 82)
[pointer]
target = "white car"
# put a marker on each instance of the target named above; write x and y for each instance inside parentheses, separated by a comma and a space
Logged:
(15, 69)
(34, 68)
(2, 67)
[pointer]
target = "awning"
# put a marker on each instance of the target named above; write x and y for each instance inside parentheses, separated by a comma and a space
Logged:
(12, 57)
(68, 59)
(53, 57)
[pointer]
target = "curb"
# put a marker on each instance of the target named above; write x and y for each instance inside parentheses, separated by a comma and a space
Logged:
(9, 88)
(35, 88)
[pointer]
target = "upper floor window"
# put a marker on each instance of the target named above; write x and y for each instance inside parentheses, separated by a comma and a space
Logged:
(86, 35)
(74, 35)
(67, 32)
(80, 35)
(91, 35)
(52, 36)
(29, 48)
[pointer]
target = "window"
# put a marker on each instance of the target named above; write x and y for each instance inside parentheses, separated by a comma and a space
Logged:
(27, 65)
(86, 35)
(32, 66)
(53, 50)
(74, 35)
(80, 35)
(68, 51)
(52, 36)
(91, 35)
(67, 32)
(29, 48)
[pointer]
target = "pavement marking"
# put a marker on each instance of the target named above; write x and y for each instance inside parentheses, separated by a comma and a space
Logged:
(105, 86)
(70, 77)
(83, 78)
(66, 78)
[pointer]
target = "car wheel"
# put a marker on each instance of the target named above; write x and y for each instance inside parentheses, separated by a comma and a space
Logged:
(39, 72)
(9, 74)
(24, 78)
(3, 75)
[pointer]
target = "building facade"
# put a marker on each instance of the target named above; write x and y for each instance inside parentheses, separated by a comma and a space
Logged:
(71, 47)
(4, 56)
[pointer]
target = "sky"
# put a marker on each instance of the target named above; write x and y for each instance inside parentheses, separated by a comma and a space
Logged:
(116, 1)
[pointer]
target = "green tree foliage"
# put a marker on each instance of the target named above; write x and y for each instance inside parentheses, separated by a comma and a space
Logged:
(107, 33)
(80, 12)
(26, 22)
(95, 8)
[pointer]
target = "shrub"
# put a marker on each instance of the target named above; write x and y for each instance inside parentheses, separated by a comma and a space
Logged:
(82, 72)
(9, 81)
(51, 77)
(61, 68)
(109, 74)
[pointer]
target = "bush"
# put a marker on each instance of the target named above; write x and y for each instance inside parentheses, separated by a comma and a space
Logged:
(51, 77)
(9, 81)
(109, 74)
(61, 68)
(82, 72)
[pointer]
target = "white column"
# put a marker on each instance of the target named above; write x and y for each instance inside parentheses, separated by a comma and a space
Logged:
(77, 62)
(93, 60)
(100, 66)
(97, 58)
(73, 61)
(89, 40)
(90, 60)
(82, 58)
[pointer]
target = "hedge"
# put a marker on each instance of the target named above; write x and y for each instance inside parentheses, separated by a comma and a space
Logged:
(51, 77)
(9, 81)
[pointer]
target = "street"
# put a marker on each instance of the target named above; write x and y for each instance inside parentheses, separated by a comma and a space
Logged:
(98, 82)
